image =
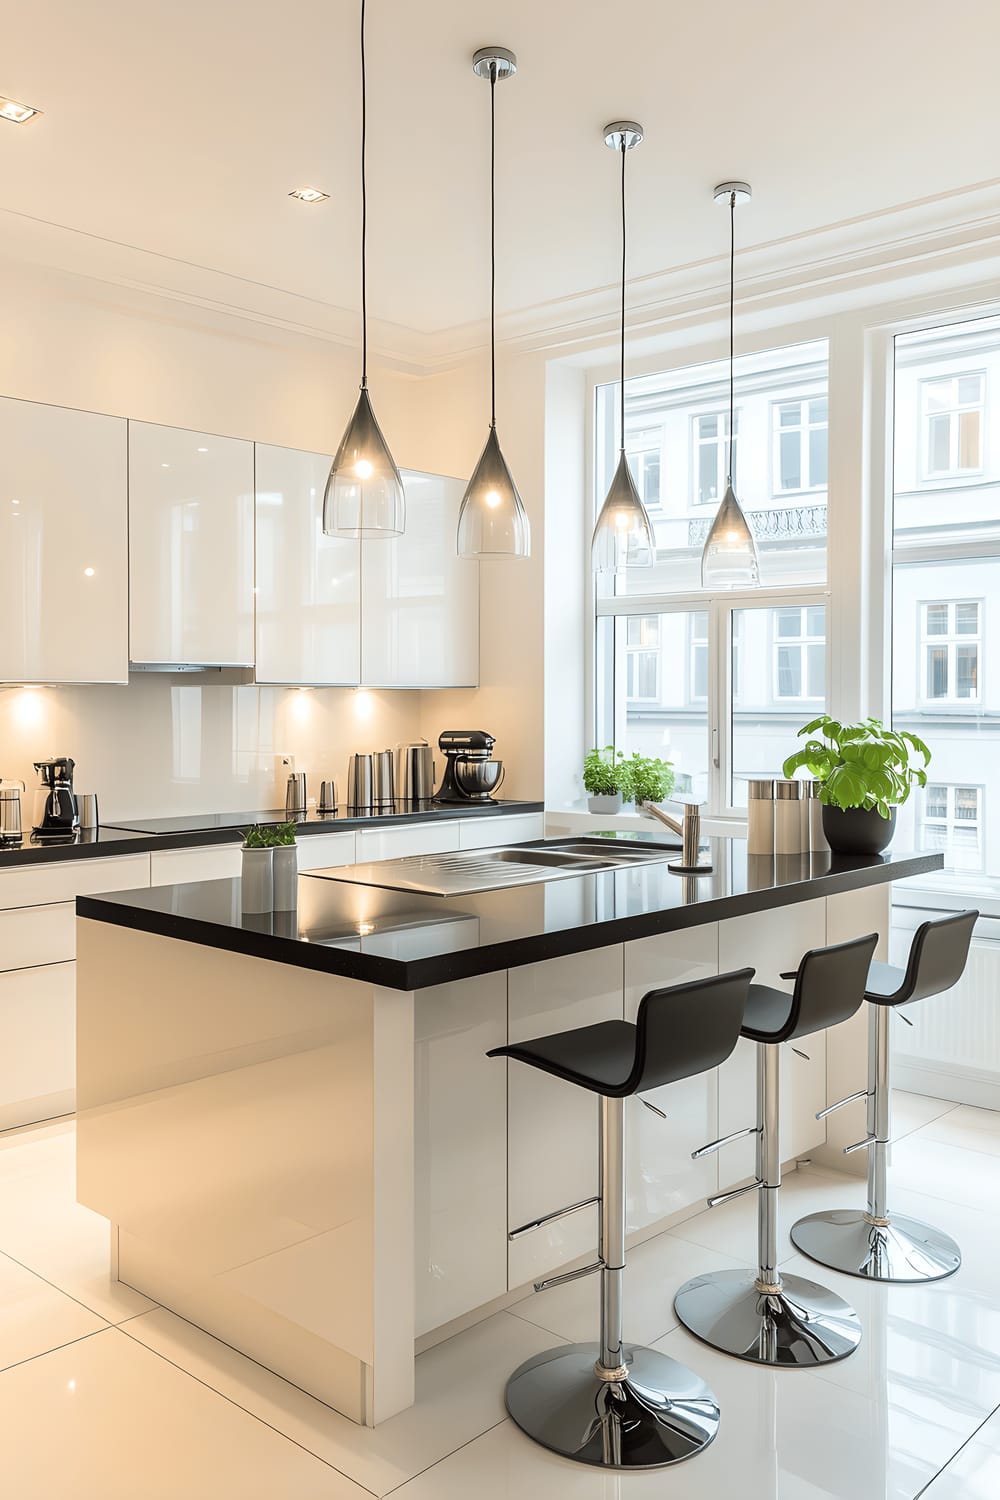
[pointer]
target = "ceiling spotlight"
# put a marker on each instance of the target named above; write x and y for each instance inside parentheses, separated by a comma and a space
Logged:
(18, 114)
(308, 194)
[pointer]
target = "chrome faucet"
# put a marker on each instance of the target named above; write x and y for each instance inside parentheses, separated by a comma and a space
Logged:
(689, 832)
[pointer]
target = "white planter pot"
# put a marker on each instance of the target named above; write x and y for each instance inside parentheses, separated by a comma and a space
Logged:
(609, 804)
(257, 893)
(286, 877)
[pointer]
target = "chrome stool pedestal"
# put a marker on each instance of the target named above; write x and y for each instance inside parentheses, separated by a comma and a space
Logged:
(768, 1318)
(872, 1243)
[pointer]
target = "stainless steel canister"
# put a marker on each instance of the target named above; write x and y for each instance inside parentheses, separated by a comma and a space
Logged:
(760, 817)
(10, 811)
(87, 803)
(327, 797)
(295, 793)
(383, 779)
(788, 820)
(814, 819)
(359, 784)
(415, 772)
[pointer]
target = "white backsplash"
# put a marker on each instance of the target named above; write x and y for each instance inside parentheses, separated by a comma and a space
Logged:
(163, 746)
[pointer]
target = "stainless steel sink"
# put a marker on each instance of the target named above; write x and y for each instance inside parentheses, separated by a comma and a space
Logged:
(464, 872)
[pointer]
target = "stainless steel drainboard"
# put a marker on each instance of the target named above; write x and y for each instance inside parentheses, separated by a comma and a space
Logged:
(467, 871)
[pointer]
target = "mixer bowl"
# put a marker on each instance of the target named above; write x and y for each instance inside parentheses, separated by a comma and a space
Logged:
(477, 778)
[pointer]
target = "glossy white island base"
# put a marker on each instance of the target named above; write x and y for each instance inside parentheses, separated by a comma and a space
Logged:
(319, 1171)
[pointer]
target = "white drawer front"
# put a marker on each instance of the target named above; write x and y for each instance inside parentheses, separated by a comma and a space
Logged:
(320, 851)
(211, 862)
(490, 831)
(414, 838)
(31, 935)
(37, 1043)
(63, 880)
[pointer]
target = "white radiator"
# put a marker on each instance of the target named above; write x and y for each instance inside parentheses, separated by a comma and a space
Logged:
(952, 1050)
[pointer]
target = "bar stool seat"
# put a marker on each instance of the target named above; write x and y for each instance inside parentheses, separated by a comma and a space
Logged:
(767, 1317)
(873, 1243)
(610, 1404)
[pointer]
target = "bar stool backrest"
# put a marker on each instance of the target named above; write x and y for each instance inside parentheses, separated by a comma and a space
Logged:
(938, 956)
(829, 986)
(688, 1029)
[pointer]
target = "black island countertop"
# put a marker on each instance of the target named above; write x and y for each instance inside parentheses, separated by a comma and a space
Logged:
(189, 830)
(408, 942)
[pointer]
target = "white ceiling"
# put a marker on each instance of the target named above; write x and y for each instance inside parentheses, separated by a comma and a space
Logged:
(179, 128)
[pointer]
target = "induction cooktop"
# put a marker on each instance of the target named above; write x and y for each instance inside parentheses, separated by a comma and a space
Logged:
(208, 822)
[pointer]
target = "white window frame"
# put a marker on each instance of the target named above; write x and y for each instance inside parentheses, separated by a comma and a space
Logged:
(950, 641)
(803, 642)
(721, 444)
(803, 427)
(950, 822)
(928, 475)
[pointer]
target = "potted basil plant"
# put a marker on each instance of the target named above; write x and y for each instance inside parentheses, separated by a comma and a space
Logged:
(646, 779)
(257, 885)
(602, 778)
(865, 772)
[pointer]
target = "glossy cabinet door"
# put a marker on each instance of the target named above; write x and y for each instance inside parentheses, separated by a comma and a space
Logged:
(63, 545)
(37, 1043)
(308, 585)
(419, 599)
(191, 525)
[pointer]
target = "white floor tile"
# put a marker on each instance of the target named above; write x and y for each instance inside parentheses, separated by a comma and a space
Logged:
(654, 1272)
(34, 1317)
(732, 1228)
(913, 1111)
(44, 1227)
(977, 1129)
(957, 1173)
(460, 1387)
(106, 1419)
(974, 1472)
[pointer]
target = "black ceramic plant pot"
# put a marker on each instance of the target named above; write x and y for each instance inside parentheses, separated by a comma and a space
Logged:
(858, 830)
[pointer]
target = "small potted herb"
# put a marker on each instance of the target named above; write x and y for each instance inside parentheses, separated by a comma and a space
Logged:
(257, 892)
(602, 772)
(646, 779)
(865, 772)
(286, 867)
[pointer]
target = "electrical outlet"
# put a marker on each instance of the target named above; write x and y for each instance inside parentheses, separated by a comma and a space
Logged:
(284, 765)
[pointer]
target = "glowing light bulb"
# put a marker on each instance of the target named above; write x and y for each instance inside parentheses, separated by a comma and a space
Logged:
(88, 572)
(492, 499)
(622, 520)
(363, 468)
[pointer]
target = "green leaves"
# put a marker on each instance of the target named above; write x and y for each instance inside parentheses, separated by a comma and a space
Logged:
(601, 771)
(861, 765)
(641, 777)
(263, 837)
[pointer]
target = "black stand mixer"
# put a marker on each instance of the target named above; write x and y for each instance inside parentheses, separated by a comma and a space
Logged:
(470, 772)
(56, 811)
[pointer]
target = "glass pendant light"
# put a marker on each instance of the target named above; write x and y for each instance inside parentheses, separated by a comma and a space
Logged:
(729, 559)
(492, 521)
(623, 537)
(364, 493)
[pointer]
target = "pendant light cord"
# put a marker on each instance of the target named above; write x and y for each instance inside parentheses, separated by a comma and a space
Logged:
(364, 209)
(732, 303)
(624, 244)
(493, 244)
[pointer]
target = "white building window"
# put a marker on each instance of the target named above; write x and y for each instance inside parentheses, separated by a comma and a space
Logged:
(645, 466)
(711, 455)
(951, 643)
(800, 431)
(951, 819)
(698, 657)
(800, 653)
(952, 425)
(642, 658)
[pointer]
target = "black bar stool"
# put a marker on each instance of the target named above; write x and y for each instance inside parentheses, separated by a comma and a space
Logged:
(871, 1244)
(610, 1404)
(768, 1318)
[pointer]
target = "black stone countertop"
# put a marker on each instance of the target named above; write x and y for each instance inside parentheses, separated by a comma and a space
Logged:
(408, 942)
(185, 831)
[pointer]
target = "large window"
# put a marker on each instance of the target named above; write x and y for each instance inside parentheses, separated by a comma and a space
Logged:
(800, 445)
(952, 425)
(950, 647)
(951, 818)
(717, 684)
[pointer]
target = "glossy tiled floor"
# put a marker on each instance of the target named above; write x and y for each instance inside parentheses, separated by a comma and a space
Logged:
(105, 1397)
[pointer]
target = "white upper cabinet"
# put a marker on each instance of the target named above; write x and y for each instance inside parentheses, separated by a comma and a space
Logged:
(63, 541)
(308, 584)
(420, 600)
(191, 543)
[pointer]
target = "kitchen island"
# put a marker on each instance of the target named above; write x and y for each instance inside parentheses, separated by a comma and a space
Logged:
(292, 1124)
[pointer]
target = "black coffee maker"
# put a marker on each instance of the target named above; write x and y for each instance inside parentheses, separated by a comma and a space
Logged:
(56, 809)
(470, 772)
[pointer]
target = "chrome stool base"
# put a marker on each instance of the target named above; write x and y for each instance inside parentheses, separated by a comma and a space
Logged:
(902, 1250)
(660, 1414)
(802, 1325)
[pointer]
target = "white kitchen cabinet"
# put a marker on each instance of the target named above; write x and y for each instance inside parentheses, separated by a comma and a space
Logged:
(53, 881)
(552, 1125)
(321, 851)
(661, 1177)
(460, 1148)
(308, 585)
(33, 935)
(37, 1043)
(412, 838)
(210, 862)
(191, 547)
(63, 540)
(489, 832)
(419, 599)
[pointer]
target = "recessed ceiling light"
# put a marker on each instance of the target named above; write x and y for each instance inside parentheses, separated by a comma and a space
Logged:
(18, 114)
(308, 194)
